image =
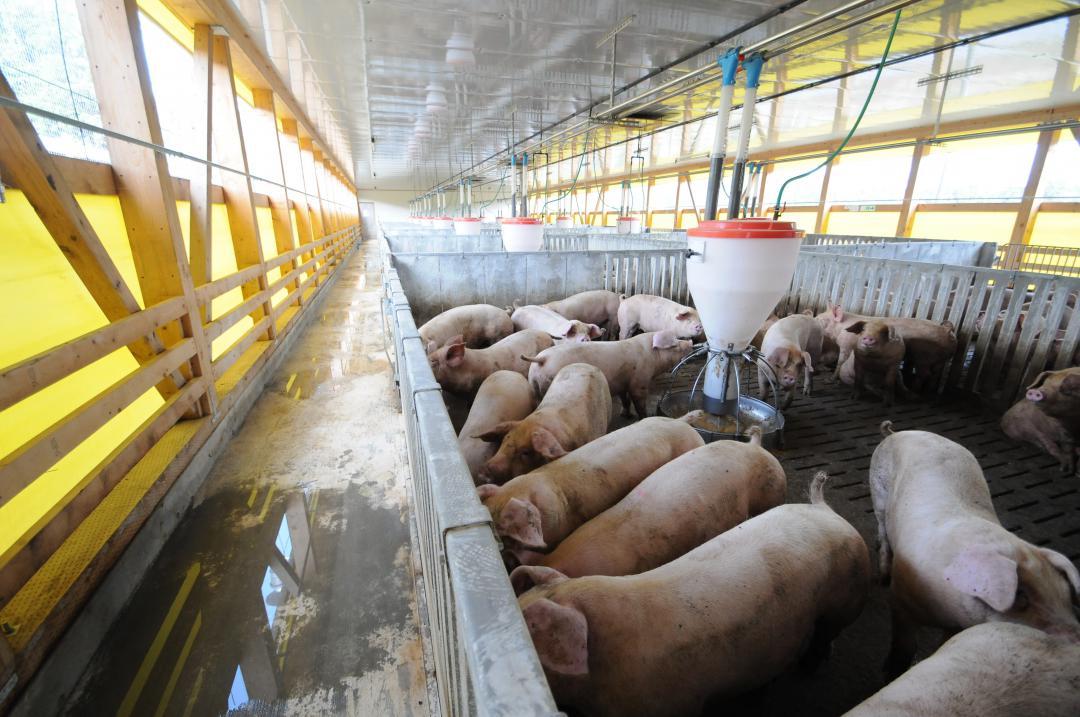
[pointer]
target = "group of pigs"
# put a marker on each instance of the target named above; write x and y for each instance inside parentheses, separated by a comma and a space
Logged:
(656, 572)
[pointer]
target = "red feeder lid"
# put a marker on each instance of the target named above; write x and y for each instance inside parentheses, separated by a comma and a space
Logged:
(521, 220)
(756, 228)
(443, 219)
(467, 219)
(563, 216)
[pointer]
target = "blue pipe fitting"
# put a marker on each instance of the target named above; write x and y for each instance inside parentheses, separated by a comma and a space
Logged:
(729, 65)
(752, 67)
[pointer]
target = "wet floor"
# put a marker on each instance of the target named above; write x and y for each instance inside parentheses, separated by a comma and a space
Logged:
(288, 588)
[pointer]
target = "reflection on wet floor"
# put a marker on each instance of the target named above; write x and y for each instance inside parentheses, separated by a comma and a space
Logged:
(288, 588)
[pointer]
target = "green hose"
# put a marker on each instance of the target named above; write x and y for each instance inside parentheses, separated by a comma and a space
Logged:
(576, 176)
(851, 133)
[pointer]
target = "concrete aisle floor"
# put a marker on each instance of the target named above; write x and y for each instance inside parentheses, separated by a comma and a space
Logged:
(288, 588)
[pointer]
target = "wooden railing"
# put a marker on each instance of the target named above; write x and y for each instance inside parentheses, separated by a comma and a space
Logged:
(21, 652)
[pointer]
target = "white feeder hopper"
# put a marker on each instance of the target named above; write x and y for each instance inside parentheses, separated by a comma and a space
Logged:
(467, 226)
(522, 234)
(443, 224)
(564, 222)
(738, 270)
(627, 225)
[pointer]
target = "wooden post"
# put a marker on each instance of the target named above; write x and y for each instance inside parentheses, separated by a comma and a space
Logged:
(1022, 227)
(201, 227)
(294, 173)
(819, 218)
(143, 184)
(907, 217)
(239, 200)
(314, 208)
(678, 196)
(279, 197)
(32, 168)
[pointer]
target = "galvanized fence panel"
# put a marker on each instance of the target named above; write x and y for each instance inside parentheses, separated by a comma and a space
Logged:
(485, 663)
(1057, 260)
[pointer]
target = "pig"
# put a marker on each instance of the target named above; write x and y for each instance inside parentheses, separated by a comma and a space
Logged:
(833, 322)
(681, 505)
(600, 307)
(461, 370)
(537, 510)
(559, 327)
(575, 410)
(760, 335)
(791, 348)
(628, 365)
(875, 361)
(996, 669)
(928, 346)
(503, 396)
(480, 324)
(950, 562)
(723, 619)
(1057, 394)
(1026, 421)
(655, 313)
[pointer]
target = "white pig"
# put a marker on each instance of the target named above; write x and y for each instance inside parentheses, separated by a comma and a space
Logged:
(503, 396)
(479, 324)
(461, 370)
(723, 619)
(655, 313)
(558, 327)
(792, 346)
(600, 307)
(629, 365)
(951, 563)
(997, 669)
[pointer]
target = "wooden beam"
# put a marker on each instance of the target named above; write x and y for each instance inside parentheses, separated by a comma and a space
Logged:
(819, 217)
(1021, 231)
(320, 191)
(239, 202)
(906, 220)
(144, 187)
(312, 198)
(32, 168)
(202, 106)
(270, 142)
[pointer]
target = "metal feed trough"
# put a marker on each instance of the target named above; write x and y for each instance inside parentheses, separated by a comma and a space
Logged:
(484, 658)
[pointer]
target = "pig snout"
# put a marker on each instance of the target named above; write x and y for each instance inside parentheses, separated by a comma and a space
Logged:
(1035, 394)
(788, 379)
(868, 341)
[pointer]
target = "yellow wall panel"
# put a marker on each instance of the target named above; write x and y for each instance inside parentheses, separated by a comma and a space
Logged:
(871, 224)
(1057, 229)
(967, 226)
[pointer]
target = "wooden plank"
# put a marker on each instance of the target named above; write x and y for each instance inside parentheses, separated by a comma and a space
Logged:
(144, 187)
(906, 220)
(23, 465)
(314, 201)
(230, 150)
(37, 372)
(279, 196)
(819, 215)
(47, 191)
(1022, 226)
(201, 238)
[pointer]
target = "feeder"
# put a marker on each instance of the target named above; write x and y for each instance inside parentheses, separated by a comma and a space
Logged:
(564, 222)
(522, 234)
(737, 270)
(467, 226)
(628, 225)
(443, 224)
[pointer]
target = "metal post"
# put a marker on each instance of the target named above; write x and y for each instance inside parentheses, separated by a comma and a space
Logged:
(513, 186)
(461, 197)
(729, 65)
(752, 66)
(525, 184)
(468, 197)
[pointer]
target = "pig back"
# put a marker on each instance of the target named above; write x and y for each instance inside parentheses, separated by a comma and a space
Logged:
(579, 396)
(503, 396)
(679, 506)
(480, 324)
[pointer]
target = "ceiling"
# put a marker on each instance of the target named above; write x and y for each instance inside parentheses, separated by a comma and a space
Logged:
(416, 92)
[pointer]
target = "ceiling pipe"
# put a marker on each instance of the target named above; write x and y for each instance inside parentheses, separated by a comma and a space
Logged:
(752, 67)
(729, 64)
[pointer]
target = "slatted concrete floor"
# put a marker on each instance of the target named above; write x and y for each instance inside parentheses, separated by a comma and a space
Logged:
(830, 431)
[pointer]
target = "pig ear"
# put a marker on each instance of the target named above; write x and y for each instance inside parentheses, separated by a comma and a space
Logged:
(806, 360)
(684, 313)
(566, 329)
(1065, 566)
(520, 520)
(561, 636)
(986, 574)
(1071, 384)
(458, 339)
(664, 340)
(526, 577)
(1039, 380)
(837, 312)
(485, 491)
(455, 354)
(595, 331)
(546, 444)
(431, 347)
(778, 355)
(894, 333)
(496, 433)
(857, 327)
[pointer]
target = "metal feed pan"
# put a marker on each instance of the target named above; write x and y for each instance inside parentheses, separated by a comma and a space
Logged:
(485, 662)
